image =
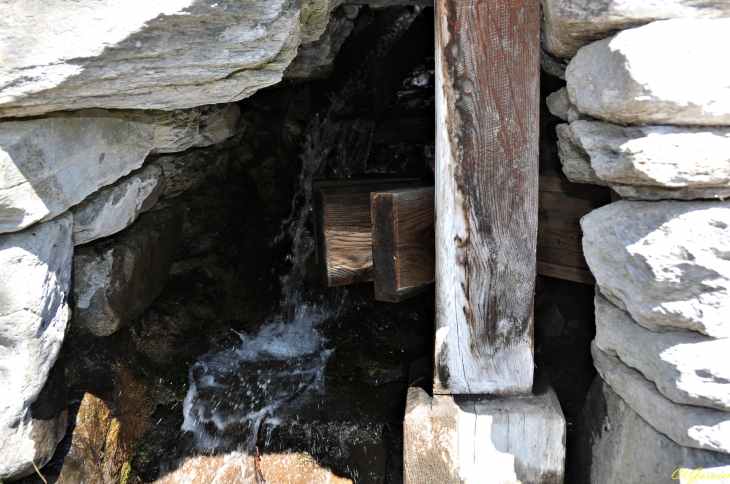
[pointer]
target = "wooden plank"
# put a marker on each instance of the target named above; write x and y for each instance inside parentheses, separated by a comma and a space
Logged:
(570, 240)
(344, 231)
(569, 202)
(558, 183)
(487, 125)
(568, 273)
(562, 256)
(403, 242)
(330, 182)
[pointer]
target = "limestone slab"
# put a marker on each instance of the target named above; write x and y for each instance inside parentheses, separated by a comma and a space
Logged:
(665, 263)
(571, 24)
(197, 127)
(614, 445)
(35, 278)
(658, 156)
(115, 207)
(687, 425)
(666, 72)
(576, 162)
(118, 277)
(634, 192)
(687, 367)
(136, 54)
(467, 439)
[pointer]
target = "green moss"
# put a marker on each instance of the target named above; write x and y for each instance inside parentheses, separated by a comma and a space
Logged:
(126, 469)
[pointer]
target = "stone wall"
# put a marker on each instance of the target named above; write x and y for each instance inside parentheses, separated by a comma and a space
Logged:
(108, 111)
(648, 109)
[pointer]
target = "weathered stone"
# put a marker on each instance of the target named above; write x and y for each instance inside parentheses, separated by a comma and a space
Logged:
(614, 445)
(153, 55)
(575, 161)
(559, 103)
(687, 425)
(202, 126)
(633, 192)
(315, 57)
(571, 24)
(186, 171)
(686, 367)
(115, 207)
(663, 262)
(117, 278)
(459, 439)
(660, 156)
(53, 163)
(667, 72)
(35, 274)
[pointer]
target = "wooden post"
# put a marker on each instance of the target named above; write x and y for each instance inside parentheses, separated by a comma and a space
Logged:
(487, 114)
(403, 242)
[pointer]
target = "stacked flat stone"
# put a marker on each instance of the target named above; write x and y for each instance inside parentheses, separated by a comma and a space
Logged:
(108, 110)
(648, 111)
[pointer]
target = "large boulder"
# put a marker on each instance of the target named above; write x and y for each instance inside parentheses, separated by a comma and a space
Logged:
(52, 163)
(115, 207)
(665, 263)
(667, 72)
(686, 367)
(117, 278)
(35, 279)
(133, 54)
(614, 445)
(571, 24)
(687, 425)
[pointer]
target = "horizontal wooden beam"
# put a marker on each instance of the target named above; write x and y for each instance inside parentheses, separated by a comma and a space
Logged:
(403, 242)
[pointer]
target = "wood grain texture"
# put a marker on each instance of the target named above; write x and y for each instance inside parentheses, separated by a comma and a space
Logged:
(403, 242)
(487, 116)
(344, 231)
(559, 237)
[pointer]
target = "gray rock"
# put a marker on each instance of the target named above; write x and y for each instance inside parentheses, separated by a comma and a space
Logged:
(632, 192)
(187, 171)
(559, 103)
(454, 439)
(115, 207)
(53, 163)
(614, 445)
(687, 425)
(571, 24)
(117, 278)
(35, 278)
(687, 367)
(660, 156)
(181, 129)
(315, 58)
(667, 72)
(576, 162)
(154, 55)
(665, 263)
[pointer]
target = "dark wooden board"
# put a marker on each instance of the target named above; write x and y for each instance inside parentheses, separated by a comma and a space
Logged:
(344, 231)
(559, 236)
(403, 242)
(487, 126)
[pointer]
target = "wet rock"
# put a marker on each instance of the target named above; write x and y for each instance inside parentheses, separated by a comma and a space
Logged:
(664, 263)
(115, 207)
(687, 425)
(53, 163)
(184, 172)
(667, 72)
(35, 273)
(151, 55)
(686, 367)
(376, 372)
(657, 156)
(117, 278)
(576, 162)
(571, 24)
(614, 445)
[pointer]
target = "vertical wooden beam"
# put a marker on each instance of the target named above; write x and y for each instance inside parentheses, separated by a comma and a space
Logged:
(487, 114)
